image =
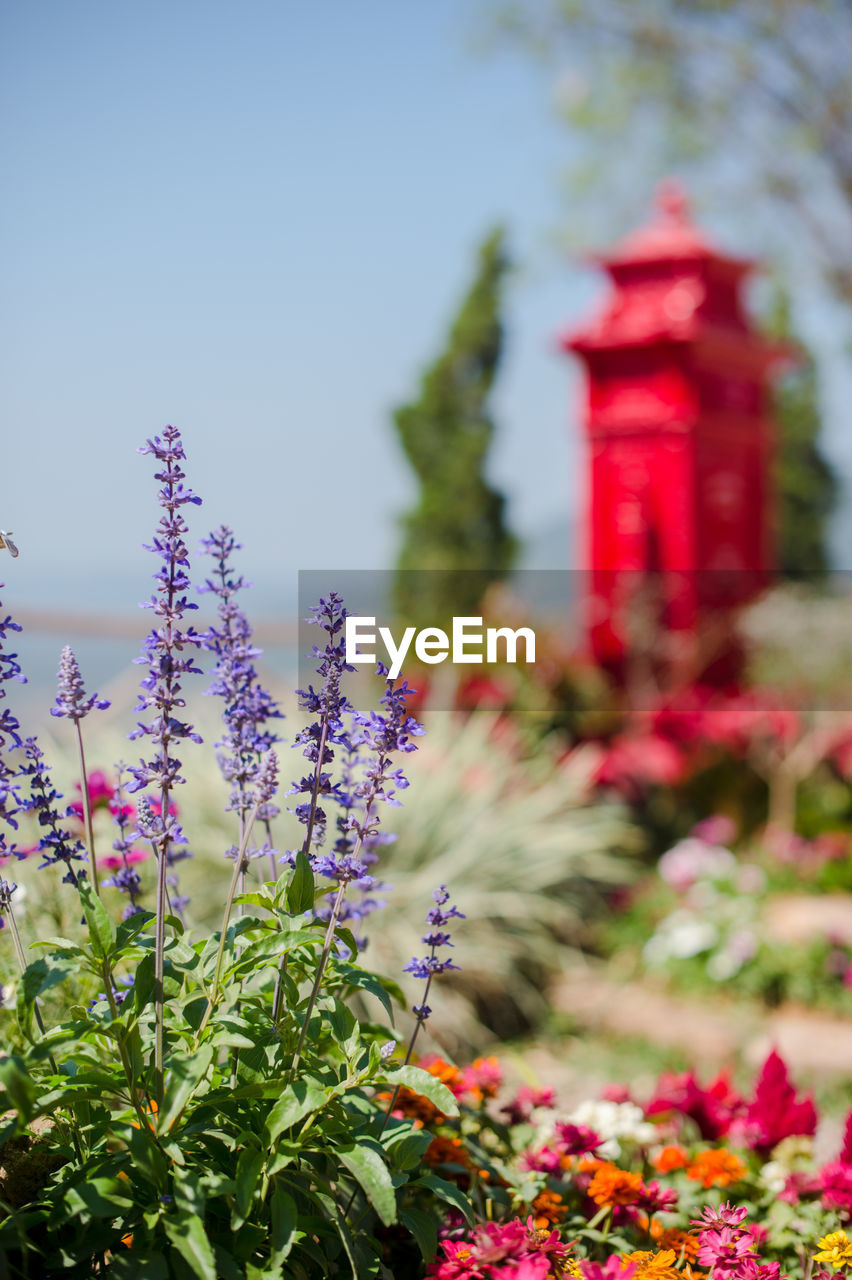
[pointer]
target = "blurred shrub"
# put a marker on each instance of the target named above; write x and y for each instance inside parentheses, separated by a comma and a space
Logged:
(531, 860)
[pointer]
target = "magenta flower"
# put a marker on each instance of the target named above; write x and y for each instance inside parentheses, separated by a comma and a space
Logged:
(612, 1269)
(725, 1248)
(775, 1111)
(725, 1216)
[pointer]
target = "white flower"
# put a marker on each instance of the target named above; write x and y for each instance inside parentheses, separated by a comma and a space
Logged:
(773, 1175)
(681, 934)
(614, 1121)
(723, 965)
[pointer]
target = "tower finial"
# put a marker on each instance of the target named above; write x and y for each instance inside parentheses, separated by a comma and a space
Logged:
(671, 199)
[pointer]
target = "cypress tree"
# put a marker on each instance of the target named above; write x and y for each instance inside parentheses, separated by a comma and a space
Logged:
(458, 528)
(806, 484)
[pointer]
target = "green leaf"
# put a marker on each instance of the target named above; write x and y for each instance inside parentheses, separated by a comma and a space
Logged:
(187, 1234)
(424, 1229)
(186, 1071)
(101, 927)
(300, 890)
(60, 946)
(357, 977)
(100, 1197)
(143, 983)
(249, 1165)
(39, 976)
(297, 1101)
(367, 1166)
(446, 1191)
(285, 1219)
(133, 1266)
(129, 928)
(409, 1150)
(423, 1082)
(268, 950)
(226, 1266)
(20, 1089)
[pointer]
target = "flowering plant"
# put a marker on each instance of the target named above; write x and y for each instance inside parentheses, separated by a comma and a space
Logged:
(695, 1181)
(181, 1105)
(707, 917)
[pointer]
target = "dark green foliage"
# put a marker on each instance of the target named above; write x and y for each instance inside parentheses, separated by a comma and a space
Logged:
(459, 520)
(256, 1164)
(806, 485)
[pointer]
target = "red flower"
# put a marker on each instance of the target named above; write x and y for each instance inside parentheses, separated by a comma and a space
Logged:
(713, 1108)
(776, 1112)
(835, 1182)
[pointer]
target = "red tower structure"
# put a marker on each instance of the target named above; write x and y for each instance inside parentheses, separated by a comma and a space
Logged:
(679, 531)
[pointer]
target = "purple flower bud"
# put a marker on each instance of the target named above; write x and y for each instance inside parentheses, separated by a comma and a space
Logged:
(267, 779)
(56, 843)
(164, 646)
(428, 967)
(10, 740)
(71, 700)
(247, 705)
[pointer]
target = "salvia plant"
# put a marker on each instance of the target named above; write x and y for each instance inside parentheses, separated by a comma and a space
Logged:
(210, 1105)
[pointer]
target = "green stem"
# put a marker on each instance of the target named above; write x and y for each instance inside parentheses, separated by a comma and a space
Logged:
(22, 962)
(278, 997)
(323, 961)
(232, 893)
(87, 809)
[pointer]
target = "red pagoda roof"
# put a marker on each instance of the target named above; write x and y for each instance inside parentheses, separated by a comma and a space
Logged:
(671, 284)
(670, 236)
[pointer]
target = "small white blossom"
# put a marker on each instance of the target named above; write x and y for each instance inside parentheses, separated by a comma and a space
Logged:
(773, 1175)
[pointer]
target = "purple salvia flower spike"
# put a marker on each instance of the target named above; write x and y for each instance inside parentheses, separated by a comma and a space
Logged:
(248, 706)
(164, 646)
(71, 699)
(437, 917)
(10, 741)
(56, 843)
(73, 704)
(161, 691)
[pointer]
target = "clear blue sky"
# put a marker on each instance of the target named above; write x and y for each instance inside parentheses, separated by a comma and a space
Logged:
(254, 219)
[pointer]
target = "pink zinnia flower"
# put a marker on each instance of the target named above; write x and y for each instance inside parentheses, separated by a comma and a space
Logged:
(577, 1139)
(657, 1199)
(725, 1248)
(100, 792)
(525, 1101)
(835, 1182)
(612, 1269)
(115, 861)
(725, 1216)
(544, 1160)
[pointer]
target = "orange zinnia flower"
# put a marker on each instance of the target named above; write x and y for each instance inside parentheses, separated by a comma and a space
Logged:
(683, 1242)
(716, 1168)
(653, 1266)
(670, 1158)
(443, 1071)
(547, 1209)
(611, 1185)
(447, 1151)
